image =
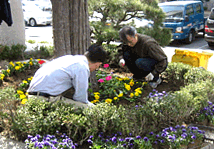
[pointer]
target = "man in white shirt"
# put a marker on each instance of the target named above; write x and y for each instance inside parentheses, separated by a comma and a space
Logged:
(67, 76)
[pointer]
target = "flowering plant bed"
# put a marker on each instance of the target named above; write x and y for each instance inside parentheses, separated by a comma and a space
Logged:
(144, 117)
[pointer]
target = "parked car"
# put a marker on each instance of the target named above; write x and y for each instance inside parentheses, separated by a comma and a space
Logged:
(33, 15)
(209, 29)
(184, 18)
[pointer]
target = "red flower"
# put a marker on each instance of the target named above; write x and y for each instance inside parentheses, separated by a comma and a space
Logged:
(41, 62)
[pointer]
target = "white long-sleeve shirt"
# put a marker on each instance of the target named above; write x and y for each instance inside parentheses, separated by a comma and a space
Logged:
(61, 74)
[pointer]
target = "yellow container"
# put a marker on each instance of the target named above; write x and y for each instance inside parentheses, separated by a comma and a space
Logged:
(192, 58)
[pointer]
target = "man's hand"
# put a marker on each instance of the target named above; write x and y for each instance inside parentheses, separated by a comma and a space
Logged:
(149, 77)
(121, 62)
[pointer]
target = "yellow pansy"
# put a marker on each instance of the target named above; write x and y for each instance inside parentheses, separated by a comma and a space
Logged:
(31, 59)
(17, 67)
(96, 93)
(126, 78)
(108, 100)
(127, 86)
(38, 59)
(115, 98)
(2, 76)
(24, 81)
(94, 101)
(22, 96)
(131, 95)
(138, 90)
(8, 70)
(120, 95)
(131, 83)
(30, 78)
(20, 92)
(119, 79)
(11, 63)
(136, 94)
(31, 63)
(96, 97)
(25, 62)
(24, 101)
(19, 63)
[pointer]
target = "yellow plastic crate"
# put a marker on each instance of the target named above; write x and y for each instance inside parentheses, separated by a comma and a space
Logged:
(192, 58)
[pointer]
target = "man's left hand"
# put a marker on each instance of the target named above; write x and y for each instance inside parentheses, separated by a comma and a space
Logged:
(149, 77)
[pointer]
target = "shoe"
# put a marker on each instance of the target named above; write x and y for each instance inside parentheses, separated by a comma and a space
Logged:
(155, 84)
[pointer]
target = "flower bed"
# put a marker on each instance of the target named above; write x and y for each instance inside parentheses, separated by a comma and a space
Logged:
(139, 119)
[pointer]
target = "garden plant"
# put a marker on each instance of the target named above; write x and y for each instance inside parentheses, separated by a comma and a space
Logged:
(127, 114)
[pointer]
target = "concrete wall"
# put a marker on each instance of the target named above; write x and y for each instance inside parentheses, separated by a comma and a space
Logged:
(14, 34)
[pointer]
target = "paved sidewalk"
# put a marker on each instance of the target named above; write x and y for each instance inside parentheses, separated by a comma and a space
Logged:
(6, 143)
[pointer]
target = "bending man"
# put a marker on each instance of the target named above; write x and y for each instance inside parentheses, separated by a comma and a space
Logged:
(67, 77)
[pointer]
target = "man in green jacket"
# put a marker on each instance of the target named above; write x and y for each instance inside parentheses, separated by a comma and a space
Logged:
(142, 55)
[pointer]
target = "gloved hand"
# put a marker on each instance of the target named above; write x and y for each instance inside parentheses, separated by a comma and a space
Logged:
(121, 62)
(149, 77)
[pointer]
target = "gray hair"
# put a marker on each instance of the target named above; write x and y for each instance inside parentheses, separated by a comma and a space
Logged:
(127, 30)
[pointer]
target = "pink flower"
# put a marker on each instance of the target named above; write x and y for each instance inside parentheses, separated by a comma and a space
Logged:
(101, 80)
(108, 78)
(106, 65)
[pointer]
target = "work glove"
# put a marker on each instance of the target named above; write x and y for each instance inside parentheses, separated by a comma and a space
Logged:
(149, 77)
(121, 62)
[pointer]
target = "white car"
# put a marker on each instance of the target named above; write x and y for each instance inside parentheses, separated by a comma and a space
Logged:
(34, 16)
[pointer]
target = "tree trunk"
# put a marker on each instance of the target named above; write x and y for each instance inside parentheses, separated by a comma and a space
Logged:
(71, 29)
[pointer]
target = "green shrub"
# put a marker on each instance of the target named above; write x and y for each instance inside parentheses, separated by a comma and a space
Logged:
(194, 97)
(41, 52)
(31, 41)
(43, 42)
(8, 106)
(106, 118)
(15, 52)
(169, 109)
(41, 117)
(175, 73)
(197, 74)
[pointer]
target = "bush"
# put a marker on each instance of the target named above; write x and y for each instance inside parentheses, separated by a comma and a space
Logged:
(31, 41)
(193, 98)
(41, 52)
(15, 52)
(175, 73)
(197, 74)
(41, 117)
(8, 107)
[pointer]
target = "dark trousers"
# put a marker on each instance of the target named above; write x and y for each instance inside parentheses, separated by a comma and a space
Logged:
(140, 67)
(69, 93)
